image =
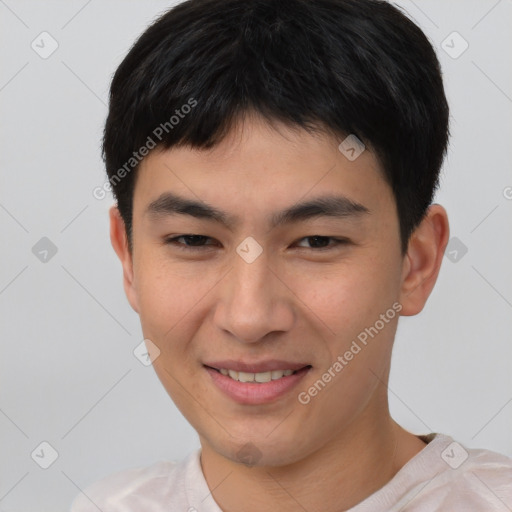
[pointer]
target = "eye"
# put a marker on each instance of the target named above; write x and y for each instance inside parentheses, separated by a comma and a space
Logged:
(193, 242)
(321, 243)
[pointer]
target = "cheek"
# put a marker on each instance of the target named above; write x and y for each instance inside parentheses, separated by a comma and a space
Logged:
(167, 294)
(348, 298)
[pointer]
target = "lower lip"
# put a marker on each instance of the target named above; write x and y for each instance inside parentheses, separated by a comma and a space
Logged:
(252, 393)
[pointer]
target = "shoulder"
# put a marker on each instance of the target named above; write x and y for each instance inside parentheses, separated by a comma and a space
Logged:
(137, 488)
(468, 479)
(484, 477)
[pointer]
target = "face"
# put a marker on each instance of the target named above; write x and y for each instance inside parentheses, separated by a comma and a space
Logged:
(234, 285)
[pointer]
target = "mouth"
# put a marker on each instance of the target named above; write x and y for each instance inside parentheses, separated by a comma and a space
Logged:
(258, 377)
(256, 387)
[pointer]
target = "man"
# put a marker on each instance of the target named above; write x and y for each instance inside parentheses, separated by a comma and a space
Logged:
(274, 165)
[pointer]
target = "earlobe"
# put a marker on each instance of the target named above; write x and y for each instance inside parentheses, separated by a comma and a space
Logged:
(119, 242)
(423, 260)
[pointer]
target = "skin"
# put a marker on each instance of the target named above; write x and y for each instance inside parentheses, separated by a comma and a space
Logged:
(294, 302)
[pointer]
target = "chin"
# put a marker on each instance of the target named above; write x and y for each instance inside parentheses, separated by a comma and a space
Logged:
(260, 452)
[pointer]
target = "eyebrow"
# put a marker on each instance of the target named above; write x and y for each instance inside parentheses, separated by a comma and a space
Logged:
(337, 206)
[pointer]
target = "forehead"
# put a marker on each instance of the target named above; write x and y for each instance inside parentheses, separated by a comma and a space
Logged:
(258, 167)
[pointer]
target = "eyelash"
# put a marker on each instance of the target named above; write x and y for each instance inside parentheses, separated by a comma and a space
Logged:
(184, 247)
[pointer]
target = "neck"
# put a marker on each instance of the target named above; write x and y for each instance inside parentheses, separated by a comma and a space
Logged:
(351, 466)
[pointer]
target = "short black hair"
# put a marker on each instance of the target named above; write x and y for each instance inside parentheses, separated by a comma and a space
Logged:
(345, 67)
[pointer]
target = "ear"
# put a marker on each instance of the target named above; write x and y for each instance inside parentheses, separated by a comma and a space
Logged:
(423, 260)
(119, 241)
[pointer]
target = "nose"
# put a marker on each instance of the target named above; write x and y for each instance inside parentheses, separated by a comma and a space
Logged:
(253, 301)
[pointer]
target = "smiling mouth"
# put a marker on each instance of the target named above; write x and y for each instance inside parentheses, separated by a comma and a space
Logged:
(260, 377)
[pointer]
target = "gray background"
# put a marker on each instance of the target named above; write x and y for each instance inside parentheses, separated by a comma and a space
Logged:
(68, 373)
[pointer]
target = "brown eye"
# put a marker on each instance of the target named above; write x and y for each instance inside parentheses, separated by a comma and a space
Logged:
(191, 242)
(319, 243)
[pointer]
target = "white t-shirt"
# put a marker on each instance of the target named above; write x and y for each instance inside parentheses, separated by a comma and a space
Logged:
(444, 476)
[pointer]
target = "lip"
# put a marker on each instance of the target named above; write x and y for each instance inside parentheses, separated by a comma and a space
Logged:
(262, 366)
(253, 393)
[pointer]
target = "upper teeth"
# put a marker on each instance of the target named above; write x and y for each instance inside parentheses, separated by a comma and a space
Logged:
(256, 377)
